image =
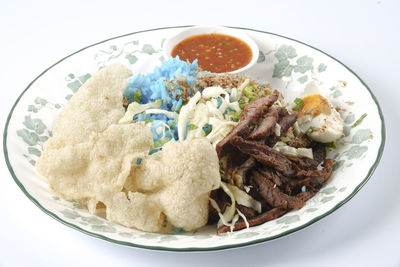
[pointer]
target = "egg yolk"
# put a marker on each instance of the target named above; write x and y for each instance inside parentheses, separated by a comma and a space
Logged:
(315, 105)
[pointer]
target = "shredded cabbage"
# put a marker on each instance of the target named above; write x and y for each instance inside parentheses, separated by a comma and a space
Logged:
(292, 151)
(186, 112)
(244, 199)
(136, 108)
(229, 217)
(215, 206)
(242, 86)
(230, 210)
(213, 92)
(220, 128)
(213, 108)
(198, 121)
(277, 129)
(243, 217)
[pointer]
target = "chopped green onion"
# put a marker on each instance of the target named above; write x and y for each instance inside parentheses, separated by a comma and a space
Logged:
(299, 104)
(248, 92)
(331, 145)
(148, 121)
(235, 115)
(160, 142)
(310, 130)
(192, 127)
(137, 96)
(359, 120)
(173, 124)
(242, 103)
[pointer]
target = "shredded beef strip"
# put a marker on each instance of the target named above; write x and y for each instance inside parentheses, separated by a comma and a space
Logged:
(265, 155)
(247, 212)
(266, 189)
(318, 177)
(259, 219)
(294, 186)
(267, 125)
(304, 196)
(285, 122)
(319, 151)
(304, 163)
(248, 120)
(269, 174)
(272, 195)
(314, 183)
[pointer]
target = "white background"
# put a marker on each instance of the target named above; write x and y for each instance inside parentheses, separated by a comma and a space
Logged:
(364, 35)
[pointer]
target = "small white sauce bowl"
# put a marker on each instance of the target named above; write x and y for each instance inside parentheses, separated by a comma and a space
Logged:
(170, 43)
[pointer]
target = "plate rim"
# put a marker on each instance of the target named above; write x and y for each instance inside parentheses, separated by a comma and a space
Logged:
(194, 249)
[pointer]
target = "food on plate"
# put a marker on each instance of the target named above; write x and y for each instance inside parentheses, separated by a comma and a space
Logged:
(181, 147)
(215, 52)
(101, 162)
(264, 156)
(96, 163)
(104, 91)
(162, 190)
(317, 118)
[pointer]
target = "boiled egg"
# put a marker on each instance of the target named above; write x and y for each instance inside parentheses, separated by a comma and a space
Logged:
(319, 120)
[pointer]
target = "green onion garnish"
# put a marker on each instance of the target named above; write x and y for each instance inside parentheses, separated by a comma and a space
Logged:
(160, 142)
(299, 104)
(359, 120)
(173, 124)
(331, 145)
(192, 127)
(235, 115)
(137, 96)
(310, 130)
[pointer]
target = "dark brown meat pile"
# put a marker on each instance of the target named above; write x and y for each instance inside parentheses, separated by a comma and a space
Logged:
(279, 182)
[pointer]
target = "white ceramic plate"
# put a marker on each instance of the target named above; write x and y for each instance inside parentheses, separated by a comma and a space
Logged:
(287, 64)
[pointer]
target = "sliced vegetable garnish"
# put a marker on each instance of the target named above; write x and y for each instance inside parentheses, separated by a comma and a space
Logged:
(359, 120)
(160, 142)
(137, 96)
(299, 103)
(331, 145)
(192, 127)
(242, 198)
(235, 115)
(310, 130)
(136, 108)
(173, 124)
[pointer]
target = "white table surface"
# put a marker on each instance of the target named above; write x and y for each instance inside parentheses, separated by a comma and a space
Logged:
(362, 34)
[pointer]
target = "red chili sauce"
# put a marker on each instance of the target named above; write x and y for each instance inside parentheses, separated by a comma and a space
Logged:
(214, 52)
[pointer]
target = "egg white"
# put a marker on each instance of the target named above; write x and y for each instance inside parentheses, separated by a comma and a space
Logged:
(322, 128)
